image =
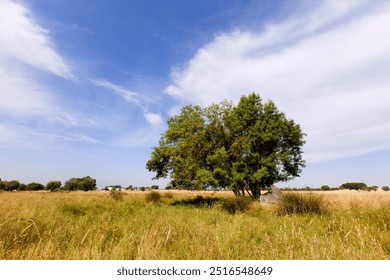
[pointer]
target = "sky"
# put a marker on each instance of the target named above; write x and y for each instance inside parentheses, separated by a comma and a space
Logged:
(86, 87)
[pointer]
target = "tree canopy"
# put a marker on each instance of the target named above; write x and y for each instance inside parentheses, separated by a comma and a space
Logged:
(244, 148)
(84, 184)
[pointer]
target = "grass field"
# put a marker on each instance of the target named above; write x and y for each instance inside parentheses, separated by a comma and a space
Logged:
(93, 225)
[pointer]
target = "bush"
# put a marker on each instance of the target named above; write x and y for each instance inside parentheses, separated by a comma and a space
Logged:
(236, 204)
(34, 187)
(53, 185)
(12, 185)
(153, 197)
(298, 203)
(116, 195)
(353, 186)
(325, 188)
(386, 188)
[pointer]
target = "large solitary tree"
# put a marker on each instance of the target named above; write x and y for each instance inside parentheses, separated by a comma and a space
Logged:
(244, 148)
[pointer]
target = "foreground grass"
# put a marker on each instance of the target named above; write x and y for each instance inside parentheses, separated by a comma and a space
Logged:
(95, 226)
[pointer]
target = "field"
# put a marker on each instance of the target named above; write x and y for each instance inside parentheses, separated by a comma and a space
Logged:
(94, 225)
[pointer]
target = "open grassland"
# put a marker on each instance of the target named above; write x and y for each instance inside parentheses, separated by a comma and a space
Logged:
(93, 225)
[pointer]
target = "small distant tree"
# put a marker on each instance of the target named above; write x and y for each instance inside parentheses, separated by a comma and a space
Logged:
(130, 188)
(2, 185)
(53, 186)
(22, 187)
(325, 188)
(154, 187)
(12, 185)
(353, 186)
(34, 187)
(142, 188)
(84, 184)
(386, 188)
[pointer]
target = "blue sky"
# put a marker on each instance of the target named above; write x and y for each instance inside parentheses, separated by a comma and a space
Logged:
(86, 87)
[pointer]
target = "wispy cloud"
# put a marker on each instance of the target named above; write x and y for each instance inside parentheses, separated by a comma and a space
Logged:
(24, 40)
(326, 67)
(128, 95)
(29, 105)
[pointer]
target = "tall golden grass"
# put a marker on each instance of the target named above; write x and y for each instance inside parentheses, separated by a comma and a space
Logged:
(93, 225)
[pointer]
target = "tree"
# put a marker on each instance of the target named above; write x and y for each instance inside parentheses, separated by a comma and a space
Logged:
(11, 185)
(53, 185)
(353, 186)
(325, 188)
(84, 184)
(245, 148)
(34, 187)
(386, 188)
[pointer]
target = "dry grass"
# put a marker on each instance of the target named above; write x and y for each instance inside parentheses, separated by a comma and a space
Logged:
(92, 225)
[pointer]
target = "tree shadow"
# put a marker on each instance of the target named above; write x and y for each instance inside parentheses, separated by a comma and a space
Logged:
(198, 201)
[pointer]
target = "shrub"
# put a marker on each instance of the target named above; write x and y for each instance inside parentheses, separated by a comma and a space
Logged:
(353, 186)
(153, 197)
(325, 188)
(236, 204)
(34, 187)
(298, 203)
(116, 195)
(386, 188)
(53, 185)
(12, 185)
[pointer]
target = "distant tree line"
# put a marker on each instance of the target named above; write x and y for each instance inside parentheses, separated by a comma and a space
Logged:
(358, 186)
(74, 184)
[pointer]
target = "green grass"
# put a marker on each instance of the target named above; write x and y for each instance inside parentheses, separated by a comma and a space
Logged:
(95, 226)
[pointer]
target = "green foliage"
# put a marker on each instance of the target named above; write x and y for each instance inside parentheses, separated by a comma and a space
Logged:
(142, 189)
(83, 184)
(386, 188)
(153, 197)
(116, 195)
(11, 185)
(325, 188)
(2, 185)
(301, 203)
(34, 187)
(353, 186)
(154, 187)
(53, 185)
(245, 148)
(236, 204)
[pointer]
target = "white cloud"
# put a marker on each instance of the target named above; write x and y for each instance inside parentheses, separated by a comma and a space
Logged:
(327, 68)
(21, 96)
(153, 119)
(128, 95)
(25, 51)
(23, 40)
(132, 97)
